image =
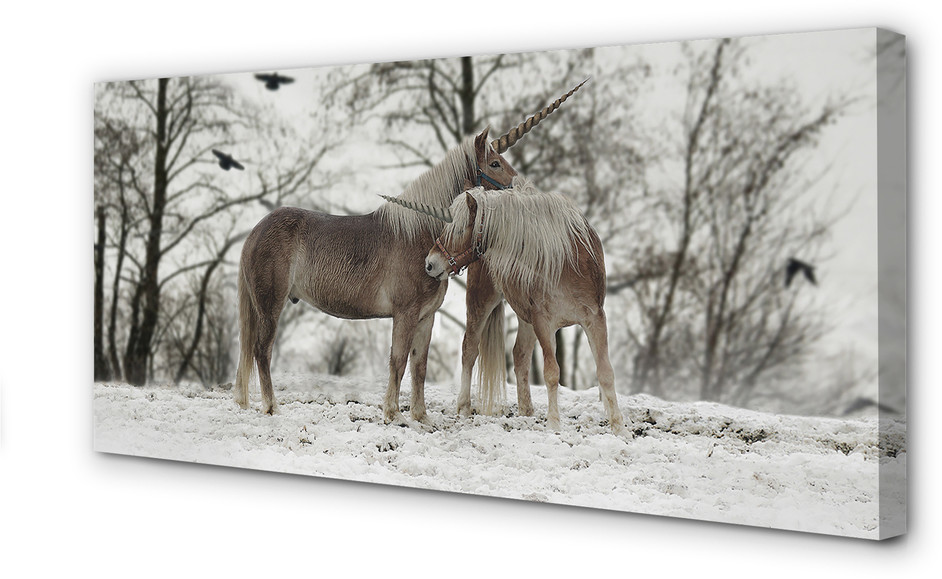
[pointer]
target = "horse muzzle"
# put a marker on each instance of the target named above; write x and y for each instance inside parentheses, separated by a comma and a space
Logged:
(436, 267)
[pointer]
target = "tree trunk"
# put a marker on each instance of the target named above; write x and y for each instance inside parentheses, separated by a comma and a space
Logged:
(467, 96)
(102, 369)
(116, 372)
(576, 342)
(136, 361)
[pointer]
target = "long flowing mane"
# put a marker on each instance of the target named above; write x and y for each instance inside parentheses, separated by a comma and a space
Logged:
(436, 187)
(528, 235)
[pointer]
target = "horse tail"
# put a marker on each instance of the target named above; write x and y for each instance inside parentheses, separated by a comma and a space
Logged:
(248, 335)
(492, 367)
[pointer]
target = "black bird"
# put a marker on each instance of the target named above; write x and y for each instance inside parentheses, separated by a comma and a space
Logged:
(794, 266)
(274, 80)
(226, 161)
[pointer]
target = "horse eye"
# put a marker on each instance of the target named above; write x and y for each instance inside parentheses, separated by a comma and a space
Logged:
(495, 164)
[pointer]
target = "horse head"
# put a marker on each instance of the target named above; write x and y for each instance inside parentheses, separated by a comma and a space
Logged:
(447, 256)
(493, 171)
(477, 162)
(460, 244)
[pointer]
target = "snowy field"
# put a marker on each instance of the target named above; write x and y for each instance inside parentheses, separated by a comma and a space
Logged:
(694, 460)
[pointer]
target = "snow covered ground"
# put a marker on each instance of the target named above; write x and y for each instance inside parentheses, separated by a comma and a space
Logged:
(693, 460)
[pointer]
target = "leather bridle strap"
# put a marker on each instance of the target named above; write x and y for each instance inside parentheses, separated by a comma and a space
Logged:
(462, 260)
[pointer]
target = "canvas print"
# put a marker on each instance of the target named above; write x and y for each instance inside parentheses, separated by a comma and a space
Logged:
(664, 278)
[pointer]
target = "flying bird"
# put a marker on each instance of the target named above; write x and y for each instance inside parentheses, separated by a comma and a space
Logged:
(226, 161)
(274, 81)
(794, 266)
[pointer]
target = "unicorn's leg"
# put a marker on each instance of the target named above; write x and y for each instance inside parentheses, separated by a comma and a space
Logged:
(469, 353)
(418, 363)
(597, 335)
(263, 347)
(264, 283)
(402, 335)
(547, 338)
(523, 350)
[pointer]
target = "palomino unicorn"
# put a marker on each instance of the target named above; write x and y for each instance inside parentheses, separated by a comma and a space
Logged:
(537, 251)
(362, 266)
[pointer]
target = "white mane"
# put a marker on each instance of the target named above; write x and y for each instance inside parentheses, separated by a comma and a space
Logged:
(436, 187)
(528, 235)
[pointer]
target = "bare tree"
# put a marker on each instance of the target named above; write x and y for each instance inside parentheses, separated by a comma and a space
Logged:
(202, 303)
(171, 199)
(198, 331)
(116, 150)
(717, 296)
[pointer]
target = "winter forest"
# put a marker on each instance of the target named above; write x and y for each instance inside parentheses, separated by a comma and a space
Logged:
(704, 166)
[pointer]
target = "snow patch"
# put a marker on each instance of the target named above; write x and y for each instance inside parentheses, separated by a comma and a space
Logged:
(692, 460)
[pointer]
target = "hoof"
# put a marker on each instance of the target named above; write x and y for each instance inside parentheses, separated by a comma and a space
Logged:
(420, 415)
(464, 412)
(424, 421)
(617, 423)
(553, 423)
(394, 417)
(525, 410)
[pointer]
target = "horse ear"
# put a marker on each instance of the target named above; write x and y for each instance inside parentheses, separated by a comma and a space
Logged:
(472, 203)
(480, 141)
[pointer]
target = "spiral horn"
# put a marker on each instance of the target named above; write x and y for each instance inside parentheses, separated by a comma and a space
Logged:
(509, 139)
(440, 213)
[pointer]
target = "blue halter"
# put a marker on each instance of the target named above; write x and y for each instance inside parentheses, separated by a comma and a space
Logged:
(481, 175)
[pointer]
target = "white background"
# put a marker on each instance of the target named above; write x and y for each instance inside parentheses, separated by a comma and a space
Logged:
(64, 509)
